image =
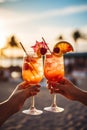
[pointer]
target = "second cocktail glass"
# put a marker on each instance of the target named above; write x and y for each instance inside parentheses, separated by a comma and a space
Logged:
(54, 71)
(32, 71)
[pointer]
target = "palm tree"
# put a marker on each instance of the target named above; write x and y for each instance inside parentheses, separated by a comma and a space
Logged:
(60, 38)
(76, 36)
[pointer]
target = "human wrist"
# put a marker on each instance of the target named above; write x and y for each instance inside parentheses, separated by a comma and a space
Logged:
(5, 111)
(13, 107)
(9, 107)
(81, 96)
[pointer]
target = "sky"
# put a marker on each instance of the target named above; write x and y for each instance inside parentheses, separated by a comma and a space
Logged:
(30, 20)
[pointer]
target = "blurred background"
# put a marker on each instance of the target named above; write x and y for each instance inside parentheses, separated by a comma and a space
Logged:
(27, 21)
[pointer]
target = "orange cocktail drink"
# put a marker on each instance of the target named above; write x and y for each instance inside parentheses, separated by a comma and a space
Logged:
(54, 67)
(32, 72)
(54, 72)
(32, 69)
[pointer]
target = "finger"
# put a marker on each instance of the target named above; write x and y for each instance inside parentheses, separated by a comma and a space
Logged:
(57, 90)
(49, 86)
(60, 92)
(52, 84)
(33, 93)
(35, 86)
(36, 89)
(51, 91)
(23, 85)
(59, 86)
(29, 87)
(30, 91)
(38, 86)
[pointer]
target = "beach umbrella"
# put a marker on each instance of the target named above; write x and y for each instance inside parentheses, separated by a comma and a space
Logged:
(12, 48)
(11, 52)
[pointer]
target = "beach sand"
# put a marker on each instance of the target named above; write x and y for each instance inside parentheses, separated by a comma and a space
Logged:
(74, 116)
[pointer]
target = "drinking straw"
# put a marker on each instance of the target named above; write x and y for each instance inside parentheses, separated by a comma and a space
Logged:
(27, 55)
(46, 44)
(23, 48)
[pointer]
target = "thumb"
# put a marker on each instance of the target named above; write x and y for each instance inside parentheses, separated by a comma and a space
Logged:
(22, 85)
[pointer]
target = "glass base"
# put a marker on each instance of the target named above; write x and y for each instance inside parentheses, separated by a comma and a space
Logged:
(32, 111)
(54, 109)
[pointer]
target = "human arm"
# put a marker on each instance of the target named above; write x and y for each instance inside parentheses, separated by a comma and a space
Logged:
(69, 90)
(16, 100)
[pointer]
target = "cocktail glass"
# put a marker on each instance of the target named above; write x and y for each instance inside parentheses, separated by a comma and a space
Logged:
(54, 71)
(32, 71)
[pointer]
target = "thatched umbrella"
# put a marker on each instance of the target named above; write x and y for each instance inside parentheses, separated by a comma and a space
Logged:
(12, 49)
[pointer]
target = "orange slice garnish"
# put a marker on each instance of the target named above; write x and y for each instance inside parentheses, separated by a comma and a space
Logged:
(64, 47)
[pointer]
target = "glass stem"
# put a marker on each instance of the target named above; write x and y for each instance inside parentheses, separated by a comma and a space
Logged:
(33, 102)
(54, 100)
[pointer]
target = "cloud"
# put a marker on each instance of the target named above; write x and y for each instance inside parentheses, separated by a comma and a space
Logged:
(55, 13)
(66, 11)
(12, 16)
(60, 12)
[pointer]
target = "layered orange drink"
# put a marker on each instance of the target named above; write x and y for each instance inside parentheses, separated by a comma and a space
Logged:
(54, 67)
(32, 70)
(54, 63)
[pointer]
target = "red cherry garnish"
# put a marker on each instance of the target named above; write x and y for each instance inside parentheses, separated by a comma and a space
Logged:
(26, 66)
(43, 51)
(56, 50)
